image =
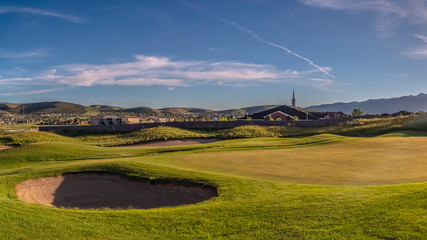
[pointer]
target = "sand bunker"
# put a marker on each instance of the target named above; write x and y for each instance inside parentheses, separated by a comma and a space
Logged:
(91, 191)
(169, 143)
(5, 147)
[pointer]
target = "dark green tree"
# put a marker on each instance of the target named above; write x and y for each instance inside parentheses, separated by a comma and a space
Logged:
(357, 112)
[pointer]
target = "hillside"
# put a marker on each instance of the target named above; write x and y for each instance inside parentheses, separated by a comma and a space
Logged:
(256, 109)
(106, 108)
(177, 110)
(141, 110)
(43, 107)
(232, 112)
(372, 106)
(379, 106)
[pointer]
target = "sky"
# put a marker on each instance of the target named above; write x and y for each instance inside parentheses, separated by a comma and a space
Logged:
(211, 54)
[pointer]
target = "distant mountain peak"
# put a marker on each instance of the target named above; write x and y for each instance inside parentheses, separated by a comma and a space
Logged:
(408, 103)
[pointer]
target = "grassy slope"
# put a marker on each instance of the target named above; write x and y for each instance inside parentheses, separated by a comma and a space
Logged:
(51, 147)
(247, 208)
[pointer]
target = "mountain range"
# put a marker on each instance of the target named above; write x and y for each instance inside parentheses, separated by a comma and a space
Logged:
(372, 106)
(378, 106)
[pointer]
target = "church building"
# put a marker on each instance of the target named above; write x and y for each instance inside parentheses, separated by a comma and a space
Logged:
(293, 113)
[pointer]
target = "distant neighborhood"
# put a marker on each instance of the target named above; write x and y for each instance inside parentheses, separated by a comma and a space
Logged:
(280, 113)
(68, 114)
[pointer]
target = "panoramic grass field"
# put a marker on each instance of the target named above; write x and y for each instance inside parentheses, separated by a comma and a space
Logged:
(322, 186)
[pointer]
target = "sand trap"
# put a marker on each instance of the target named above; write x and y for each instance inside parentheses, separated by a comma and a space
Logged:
(91, 191)
(169, 143)
(5, 147)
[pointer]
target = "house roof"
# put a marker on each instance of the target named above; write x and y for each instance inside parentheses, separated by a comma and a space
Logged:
(287, 110)
(279, 112)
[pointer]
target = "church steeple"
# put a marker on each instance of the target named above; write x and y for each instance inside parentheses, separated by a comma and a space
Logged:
(294, 101)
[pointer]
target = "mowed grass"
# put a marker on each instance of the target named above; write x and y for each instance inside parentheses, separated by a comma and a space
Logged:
(269, 188)
(355, 161)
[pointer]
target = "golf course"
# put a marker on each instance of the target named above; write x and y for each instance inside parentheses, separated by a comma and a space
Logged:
(364, 180)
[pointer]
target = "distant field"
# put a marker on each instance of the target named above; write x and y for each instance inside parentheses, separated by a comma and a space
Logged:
(322, 186)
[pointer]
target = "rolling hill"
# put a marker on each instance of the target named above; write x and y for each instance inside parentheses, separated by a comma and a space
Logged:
(372, 106)
(176, 110)
(43, 107)
(106, 108)
(141, 110)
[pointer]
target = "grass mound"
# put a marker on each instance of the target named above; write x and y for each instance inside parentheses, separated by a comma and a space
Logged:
(25, 138)
(419, 123)
(146, 135)
(40, 152)
(250, 132)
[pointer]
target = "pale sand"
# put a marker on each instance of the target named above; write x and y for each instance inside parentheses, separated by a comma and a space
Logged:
(169, 143)
(94, 191)
(5, 147)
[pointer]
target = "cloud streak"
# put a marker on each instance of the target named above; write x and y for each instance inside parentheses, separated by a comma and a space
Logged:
(390, 12)
(35, 11)
(256, 36)
(29, 54)
(419, 52)
(151, 70)
(358, 6)
(27, 92)
(162, 71)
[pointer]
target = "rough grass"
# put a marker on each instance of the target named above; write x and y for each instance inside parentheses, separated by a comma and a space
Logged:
(24, 138)
(150, 134)
(19, 126)
(357, 127)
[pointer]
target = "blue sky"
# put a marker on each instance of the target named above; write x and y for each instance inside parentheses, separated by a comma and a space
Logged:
(211, 54)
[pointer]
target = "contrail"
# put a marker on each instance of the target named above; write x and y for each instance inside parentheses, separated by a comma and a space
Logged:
(255, 36)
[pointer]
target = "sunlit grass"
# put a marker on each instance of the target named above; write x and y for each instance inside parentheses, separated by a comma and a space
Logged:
(314, 187)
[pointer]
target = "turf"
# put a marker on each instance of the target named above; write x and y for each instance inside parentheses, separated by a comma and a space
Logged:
(269, 188)
(356, 161)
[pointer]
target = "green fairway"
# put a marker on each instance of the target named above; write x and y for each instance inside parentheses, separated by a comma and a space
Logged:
(365, 161)
(269, 188)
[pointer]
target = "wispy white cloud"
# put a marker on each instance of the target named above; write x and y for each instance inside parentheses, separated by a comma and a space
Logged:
(31, 92)
(323, 84)
(35, 11)
(150, 70)
(399, 75)
(106, 8)
(388, 11)
(418, 11)
(256, 36)
(419, 52)
(28, 54)
(423, 38)
(382, 6)
(162, 71)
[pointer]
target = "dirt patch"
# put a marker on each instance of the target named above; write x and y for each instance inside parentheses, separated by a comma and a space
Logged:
(169, 143)
(5, 147)
(94, 191)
